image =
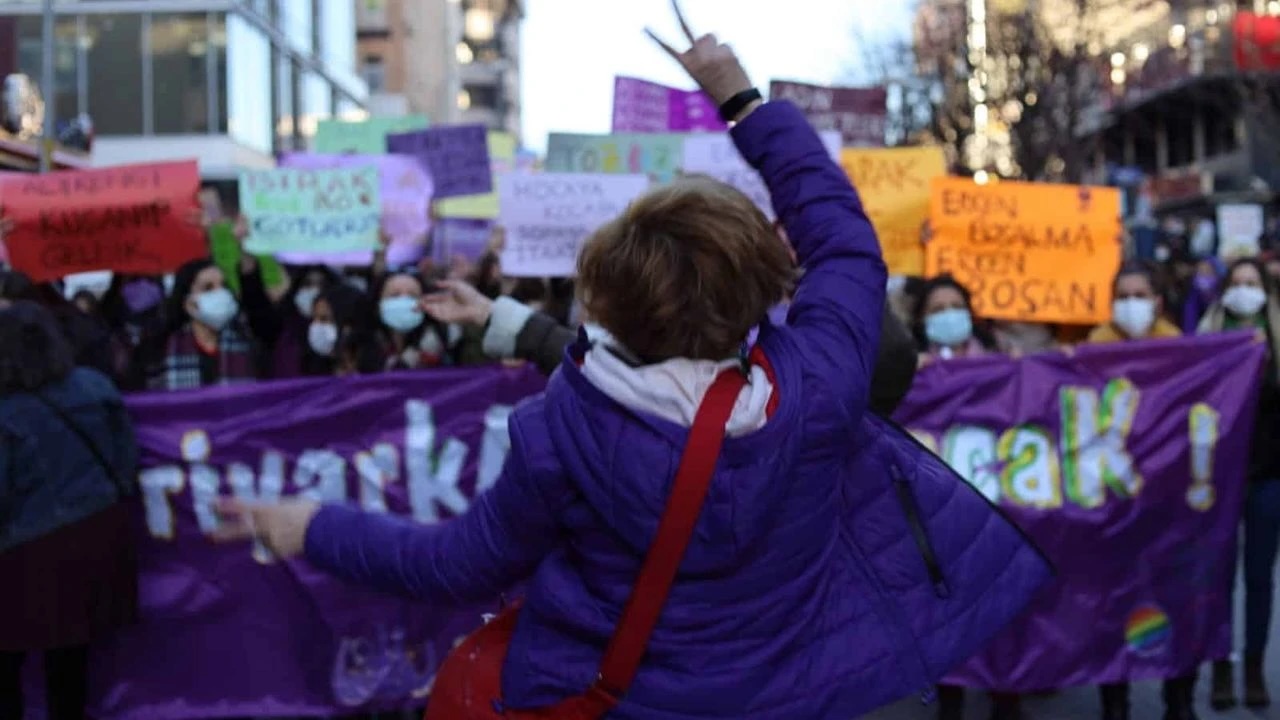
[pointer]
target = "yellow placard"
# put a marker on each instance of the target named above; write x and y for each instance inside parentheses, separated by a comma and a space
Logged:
(894, 186)
(1027, 251)
(502, 155)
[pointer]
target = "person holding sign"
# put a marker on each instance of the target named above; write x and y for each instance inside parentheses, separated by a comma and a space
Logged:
(1249, 303)
(1137, 314)
(777, 598)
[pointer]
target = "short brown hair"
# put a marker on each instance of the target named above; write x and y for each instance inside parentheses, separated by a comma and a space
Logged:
(686, 271)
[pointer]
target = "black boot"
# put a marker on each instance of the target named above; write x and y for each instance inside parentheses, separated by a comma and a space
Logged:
(1115, 701)
(1179, 698)
(1224, 686)
(1255, 683)
(950, 702)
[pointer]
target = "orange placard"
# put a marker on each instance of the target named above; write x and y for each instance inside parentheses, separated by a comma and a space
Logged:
(134, 219)
(1027, 251)
(894, 186)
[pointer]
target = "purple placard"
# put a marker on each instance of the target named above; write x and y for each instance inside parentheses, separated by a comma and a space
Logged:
(461, 237)
(648, 107)
(1126, 464)
(406, 202)
(456, 155)
(859, 114)
(227, 633)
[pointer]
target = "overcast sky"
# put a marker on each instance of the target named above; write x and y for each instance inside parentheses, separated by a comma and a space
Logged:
(572, 49)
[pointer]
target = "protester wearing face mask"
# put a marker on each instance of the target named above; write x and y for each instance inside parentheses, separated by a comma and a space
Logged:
(1137, 312)
(1249, 303)
(209, 338)
(306, 283)
(403, 338)
(1137, 315)
(943, 321)
(331, 330)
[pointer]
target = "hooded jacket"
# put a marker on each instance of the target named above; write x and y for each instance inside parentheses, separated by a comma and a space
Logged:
(836, 565)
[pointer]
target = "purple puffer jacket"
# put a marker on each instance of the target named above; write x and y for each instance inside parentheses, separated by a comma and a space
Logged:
(837, 565)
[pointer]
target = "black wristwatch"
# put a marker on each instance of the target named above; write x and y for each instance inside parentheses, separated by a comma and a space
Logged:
(736, 104)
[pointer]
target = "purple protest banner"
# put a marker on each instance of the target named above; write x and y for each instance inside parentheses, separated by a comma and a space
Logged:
(463, 237)
(859, 114)
(406, 190)
(1126, 464)
(225, 631)
(456, 155)
(641, 106)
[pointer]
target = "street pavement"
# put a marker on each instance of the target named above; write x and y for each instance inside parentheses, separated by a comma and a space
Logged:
(1082, 703)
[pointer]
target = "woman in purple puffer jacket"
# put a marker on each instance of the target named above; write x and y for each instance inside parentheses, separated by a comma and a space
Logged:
(835, 566)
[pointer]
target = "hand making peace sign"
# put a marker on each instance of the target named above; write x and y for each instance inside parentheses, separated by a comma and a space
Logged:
(711, 64)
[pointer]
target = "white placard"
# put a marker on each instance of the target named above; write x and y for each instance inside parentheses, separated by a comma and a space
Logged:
(715, 154)
(548, 216)
(1239, 229)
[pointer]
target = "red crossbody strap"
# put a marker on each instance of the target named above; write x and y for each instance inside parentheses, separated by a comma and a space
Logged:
(675, 529)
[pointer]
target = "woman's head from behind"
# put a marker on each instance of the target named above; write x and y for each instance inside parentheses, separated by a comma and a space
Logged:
(1138, 299)
(686, 271)
(15, 286)
(33, 350)
(1246, 288)
(944, 314)
(200, 293)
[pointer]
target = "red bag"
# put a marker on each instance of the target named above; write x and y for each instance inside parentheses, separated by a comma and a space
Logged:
(468, 685)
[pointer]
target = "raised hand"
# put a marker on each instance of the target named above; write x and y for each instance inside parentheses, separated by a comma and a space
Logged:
(457, 302)
(711, 64)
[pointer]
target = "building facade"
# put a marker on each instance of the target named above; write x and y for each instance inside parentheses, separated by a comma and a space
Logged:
(456, 61)
(229, 82)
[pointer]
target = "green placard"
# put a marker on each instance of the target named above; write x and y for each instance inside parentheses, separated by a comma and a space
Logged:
(312, 212)
(365, 137)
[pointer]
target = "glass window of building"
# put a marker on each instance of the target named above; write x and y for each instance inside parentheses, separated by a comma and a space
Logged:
(374, 73)
(482, 97)
(337, 43)
(26, 32)
(248, 85)
(114, 55)
(180, 50)
(317, 101)
(296, 19)
(286, 100)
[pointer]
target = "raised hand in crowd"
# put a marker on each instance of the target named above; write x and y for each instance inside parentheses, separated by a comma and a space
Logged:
(711, 64)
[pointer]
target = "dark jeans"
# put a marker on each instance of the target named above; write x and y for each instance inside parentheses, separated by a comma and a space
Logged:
(1261, 544)
(66, 674)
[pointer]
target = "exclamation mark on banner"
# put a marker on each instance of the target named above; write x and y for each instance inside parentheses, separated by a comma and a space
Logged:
(1202, 426)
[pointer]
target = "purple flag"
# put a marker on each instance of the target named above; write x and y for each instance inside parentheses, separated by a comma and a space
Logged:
(227, 633)
(859, 114)
(456, 155)
(646, 107)
(406, 190)
(1126, 464)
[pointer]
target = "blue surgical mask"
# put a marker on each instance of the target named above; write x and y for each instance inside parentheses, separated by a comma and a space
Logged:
(949, 328)
(401, 314)
(215, 308)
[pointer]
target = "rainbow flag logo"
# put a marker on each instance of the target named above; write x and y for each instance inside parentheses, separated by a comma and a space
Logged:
(1148, 630)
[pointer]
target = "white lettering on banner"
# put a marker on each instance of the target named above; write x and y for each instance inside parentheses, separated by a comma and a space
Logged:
(714, 154)
(1030, 459)
(971, 452)
(432, 478)
(1202, 427)
(548, 217)
(494, 447)
(1094, 431)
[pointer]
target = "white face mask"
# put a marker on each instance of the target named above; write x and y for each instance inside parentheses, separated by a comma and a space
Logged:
(215, 308)
(1135, 316)
(1244, 300)
(305, 299)
(322, 337)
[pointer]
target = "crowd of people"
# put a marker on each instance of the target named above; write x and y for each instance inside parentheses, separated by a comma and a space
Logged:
(64, 362)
